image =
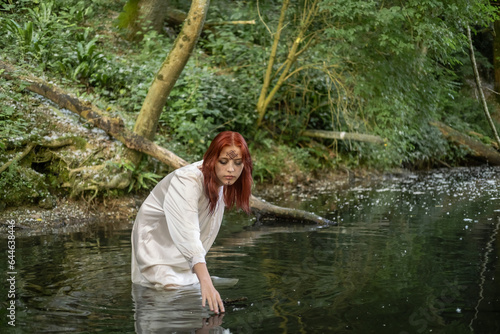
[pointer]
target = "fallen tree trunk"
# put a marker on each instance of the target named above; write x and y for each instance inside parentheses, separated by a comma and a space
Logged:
(477, 149)
(343, 136)
(116, 128)
(113, 126)
(19, 157)
(264, 210)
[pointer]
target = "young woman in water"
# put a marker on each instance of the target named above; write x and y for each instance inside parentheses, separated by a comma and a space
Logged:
(179, 220)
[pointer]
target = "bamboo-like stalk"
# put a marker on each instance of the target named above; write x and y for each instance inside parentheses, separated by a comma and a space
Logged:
(261, 104)
(223, 23)
(480, 89)
(267, 94)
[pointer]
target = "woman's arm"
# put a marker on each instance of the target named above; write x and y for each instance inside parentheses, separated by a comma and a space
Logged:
(208, 292)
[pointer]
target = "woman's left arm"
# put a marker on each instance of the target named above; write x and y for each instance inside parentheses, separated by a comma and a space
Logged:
(208, 291)
(181, 212)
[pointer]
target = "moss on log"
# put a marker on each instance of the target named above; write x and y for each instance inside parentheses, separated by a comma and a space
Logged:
(476, 149)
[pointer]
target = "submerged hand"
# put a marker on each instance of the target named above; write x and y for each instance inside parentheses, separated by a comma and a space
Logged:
(208, 292)
(211, 296)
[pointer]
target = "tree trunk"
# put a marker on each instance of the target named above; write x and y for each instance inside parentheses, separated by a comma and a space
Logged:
(343, 136)
(261, 103)
(140, 16)
(165, 79)
(480, 88)
(264, 210)
(496, 57)
(115, 127)
(477, 149)
(267, 94)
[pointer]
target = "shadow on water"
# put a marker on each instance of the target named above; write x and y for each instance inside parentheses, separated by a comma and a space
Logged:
(411, 255)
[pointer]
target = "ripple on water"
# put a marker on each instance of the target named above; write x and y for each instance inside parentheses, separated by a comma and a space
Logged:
(401, 257)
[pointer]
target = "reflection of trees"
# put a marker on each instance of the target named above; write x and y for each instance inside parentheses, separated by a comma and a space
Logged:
(483, 287)
(73, 280)
(403, 262)
(402, 257)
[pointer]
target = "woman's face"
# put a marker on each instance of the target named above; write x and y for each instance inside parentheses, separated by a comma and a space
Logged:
(229, 165)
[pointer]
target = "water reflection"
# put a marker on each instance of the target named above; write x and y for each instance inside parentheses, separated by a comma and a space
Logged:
(176, 310)
(170, 311)
(411, 255)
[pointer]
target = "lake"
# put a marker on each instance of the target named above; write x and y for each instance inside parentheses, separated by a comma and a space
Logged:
(417, 253)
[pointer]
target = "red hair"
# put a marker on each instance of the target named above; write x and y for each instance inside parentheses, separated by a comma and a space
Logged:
(238, 193)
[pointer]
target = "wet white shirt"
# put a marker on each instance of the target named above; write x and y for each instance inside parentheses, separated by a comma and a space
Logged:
(173, 230)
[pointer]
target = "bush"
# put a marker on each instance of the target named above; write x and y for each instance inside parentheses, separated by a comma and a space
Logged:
(22, 185)
(364, 73)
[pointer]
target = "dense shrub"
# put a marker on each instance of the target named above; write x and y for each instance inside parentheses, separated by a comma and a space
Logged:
(372, 68)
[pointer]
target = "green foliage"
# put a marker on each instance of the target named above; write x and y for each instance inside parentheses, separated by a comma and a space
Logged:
(205, 102)
(21, 185)
(14, 126)
(10, 125)
(84, 62)
(287, 163)
(386, 68)
(129, 14)
(398, 79)
(140, 177)
(24, 34)
(41, 34)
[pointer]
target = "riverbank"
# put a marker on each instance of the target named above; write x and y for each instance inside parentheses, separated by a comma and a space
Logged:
(71, 215)
(49, 190)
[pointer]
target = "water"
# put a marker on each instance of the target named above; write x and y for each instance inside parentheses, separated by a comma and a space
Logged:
(417, 254)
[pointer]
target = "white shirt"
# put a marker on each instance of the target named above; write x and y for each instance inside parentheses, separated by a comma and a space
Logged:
(173, 230)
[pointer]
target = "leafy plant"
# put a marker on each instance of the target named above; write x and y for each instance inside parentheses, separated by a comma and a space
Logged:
(88, 59)
(384, 68)
(28, 40)
(140, 178)
(15, 125)
(19, 184)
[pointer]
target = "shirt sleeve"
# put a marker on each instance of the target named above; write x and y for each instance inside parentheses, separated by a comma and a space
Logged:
(181, 211)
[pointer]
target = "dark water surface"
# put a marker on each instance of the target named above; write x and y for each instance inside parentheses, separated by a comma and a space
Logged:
(415, 254)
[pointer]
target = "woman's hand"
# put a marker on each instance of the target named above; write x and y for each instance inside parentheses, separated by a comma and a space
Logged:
(212, 297)
(211, 323)
(208, 292)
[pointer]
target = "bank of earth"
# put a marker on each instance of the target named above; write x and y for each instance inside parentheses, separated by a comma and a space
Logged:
(71, 215)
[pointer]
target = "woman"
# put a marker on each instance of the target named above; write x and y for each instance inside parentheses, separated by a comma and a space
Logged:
(178, 222)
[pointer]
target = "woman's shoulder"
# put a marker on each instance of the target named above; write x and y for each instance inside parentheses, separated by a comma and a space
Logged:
(192, 171)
